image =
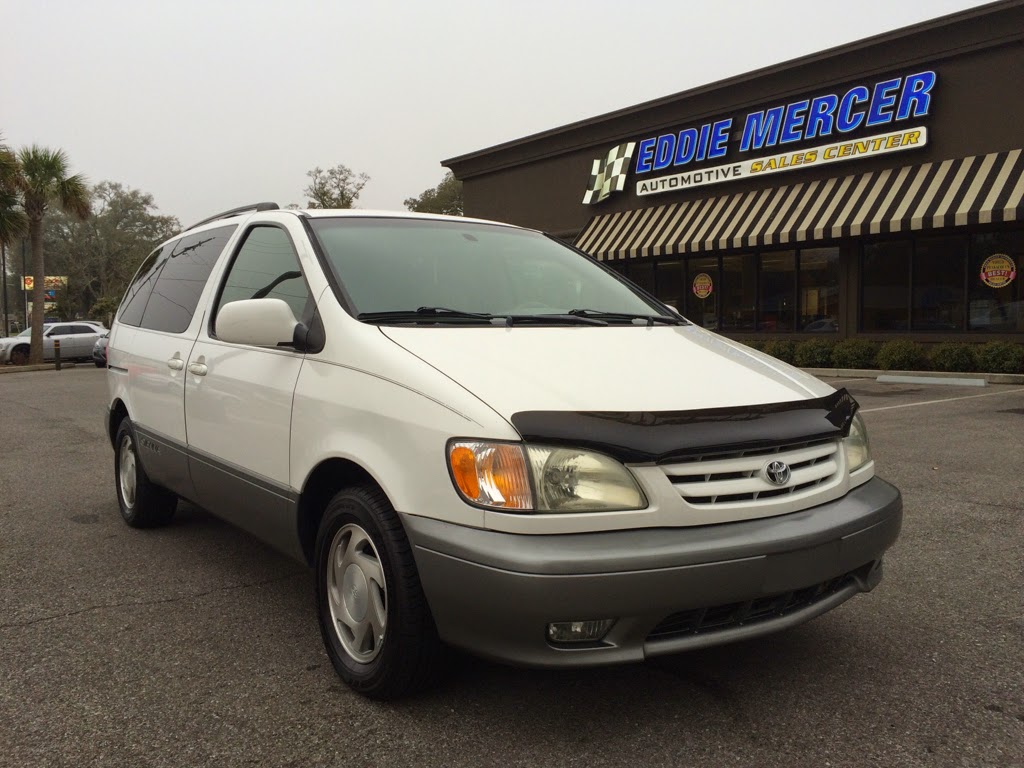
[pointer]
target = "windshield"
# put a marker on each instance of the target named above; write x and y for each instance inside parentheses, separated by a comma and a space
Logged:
(400, 265)
(27, 332)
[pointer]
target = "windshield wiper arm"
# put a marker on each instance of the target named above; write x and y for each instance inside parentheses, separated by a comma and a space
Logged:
(648, 319)
(566, 319)
(423, 313)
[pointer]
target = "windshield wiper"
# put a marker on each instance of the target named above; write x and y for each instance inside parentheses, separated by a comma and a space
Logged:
(447, 314)
(434, 314)
(647, 319)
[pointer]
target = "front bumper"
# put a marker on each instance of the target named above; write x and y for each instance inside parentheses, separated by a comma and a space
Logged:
(494, 593)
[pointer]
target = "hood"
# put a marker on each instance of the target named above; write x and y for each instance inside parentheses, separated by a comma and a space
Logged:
(613, 368)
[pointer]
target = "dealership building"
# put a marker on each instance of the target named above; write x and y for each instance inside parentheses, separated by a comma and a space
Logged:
(872, 190)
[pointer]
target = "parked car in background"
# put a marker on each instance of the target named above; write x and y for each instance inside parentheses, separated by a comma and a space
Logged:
(99, 350)
(76, 342)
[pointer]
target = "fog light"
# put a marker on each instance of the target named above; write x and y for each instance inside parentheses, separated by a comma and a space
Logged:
(579, 631)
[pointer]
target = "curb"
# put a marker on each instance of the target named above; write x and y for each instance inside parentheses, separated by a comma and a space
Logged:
(28, 368)
(867, 373)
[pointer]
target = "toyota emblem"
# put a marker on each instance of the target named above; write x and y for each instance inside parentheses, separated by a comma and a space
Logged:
(777, 472)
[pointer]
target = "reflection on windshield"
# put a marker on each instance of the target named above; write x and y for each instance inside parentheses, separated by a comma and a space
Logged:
(399, 265)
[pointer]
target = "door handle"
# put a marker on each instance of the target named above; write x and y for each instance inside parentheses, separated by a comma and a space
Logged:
(175, 363)
(197, 369)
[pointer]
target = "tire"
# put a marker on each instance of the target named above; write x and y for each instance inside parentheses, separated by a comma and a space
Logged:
(19, 355)
(99, 365)
(360, 544)
(143, 504)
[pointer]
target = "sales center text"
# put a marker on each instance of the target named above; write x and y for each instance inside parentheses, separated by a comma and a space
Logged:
(891, 100)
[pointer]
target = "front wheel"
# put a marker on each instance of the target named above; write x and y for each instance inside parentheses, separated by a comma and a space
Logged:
(19, 355)
(143, 504)
(375, 621)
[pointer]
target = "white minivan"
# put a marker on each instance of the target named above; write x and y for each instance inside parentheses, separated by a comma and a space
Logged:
(480, 437)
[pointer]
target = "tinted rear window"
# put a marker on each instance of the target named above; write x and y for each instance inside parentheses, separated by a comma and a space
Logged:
(187, 266)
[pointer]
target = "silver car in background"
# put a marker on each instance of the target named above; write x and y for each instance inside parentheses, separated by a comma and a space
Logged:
(76, 342)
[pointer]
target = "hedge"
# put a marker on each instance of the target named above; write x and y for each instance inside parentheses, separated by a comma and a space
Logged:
(854, 353)
(814, 353)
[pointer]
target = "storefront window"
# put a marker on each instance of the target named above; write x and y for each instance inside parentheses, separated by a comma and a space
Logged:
(819, 290)
(702, 288)
(996, 290)
(885, 286)
(739, 292)
(777, 284)
(642, 274)
(938, 297)
(668, 282)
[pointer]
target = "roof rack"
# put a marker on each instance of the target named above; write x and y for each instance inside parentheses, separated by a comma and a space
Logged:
(254, 208)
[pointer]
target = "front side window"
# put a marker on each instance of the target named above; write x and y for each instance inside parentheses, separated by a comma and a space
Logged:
(401, 265)
(187, 266)
(266, 267)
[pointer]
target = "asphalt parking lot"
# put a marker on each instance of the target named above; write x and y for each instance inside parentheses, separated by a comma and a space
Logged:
(196, 645)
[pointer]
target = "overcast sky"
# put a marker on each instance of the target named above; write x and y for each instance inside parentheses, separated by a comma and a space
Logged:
(212, 104)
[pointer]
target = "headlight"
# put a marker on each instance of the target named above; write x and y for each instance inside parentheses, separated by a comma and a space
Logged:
(858, 451)
(531, 478)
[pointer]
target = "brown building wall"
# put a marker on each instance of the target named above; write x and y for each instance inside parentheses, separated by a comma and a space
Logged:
(977, 107)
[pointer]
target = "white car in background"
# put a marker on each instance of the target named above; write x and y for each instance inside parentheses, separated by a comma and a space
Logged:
(76, 342)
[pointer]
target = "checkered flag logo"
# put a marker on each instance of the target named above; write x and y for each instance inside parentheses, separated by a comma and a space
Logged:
(609, 174)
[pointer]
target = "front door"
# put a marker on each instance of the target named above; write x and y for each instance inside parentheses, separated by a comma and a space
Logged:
(238, 398)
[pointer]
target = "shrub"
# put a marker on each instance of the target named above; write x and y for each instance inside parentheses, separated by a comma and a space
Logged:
(814, 353)
(953, 356)
(1001, 357)
(854, 353)
(757, 344)
(783, 350)
(902, 355)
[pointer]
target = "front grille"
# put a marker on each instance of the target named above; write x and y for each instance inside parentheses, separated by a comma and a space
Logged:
(736, 477)
(716, 618)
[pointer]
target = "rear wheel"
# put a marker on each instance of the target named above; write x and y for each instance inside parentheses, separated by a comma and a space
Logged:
(375, 621)
(19, 355)
(143, 504)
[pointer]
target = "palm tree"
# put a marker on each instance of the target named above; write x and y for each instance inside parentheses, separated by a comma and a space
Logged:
(44, 181)
(13, 222)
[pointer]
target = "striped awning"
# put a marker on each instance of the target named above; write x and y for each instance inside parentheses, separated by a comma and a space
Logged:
(972, 190)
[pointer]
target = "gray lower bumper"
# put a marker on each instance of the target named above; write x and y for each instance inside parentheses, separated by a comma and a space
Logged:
(494, 593)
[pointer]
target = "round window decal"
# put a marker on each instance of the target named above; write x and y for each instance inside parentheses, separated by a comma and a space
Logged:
(998, 271)
(702, 285)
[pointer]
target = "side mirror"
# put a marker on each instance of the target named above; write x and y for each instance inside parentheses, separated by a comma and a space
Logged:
(260, 322)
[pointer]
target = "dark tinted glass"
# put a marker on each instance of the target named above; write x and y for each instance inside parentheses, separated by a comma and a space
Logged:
(939, 264)
(668, 283)
(83, 329)
(190, 260)
(702, 289)
(778, 291)
(885, 286)
(642, 274)
(135, 298)
(266, 267)
(739, 292)
(819, 290)
(996, 290)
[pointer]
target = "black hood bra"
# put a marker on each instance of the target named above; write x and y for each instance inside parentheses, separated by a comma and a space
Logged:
(646, 436)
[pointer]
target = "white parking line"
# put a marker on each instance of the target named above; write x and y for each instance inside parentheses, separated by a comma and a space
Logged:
(943, 400)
